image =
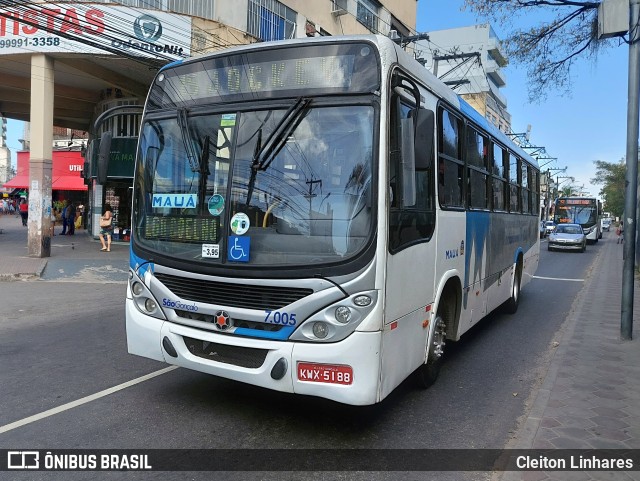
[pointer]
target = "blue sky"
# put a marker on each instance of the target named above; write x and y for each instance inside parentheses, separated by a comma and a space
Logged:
(588, 125)
(578, 129)
(14, 132)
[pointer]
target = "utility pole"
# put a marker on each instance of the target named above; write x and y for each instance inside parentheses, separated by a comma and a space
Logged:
(631, 190)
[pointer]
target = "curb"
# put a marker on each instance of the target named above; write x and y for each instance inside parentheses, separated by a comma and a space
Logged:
(23, 276)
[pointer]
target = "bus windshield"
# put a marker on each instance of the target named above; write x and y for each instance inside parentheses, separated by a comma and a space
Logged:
(583, 212)
(286, 186)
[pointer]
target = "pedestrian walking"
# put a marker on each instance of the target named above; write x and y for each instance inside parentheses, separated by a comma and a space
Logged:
(63, 215)
(106, 228)
(24, 211)
(620, 233)
(53, 221)
(71, 218)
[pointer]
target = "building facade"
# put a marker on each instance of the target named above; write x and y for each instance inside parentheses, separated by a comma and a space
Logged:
(101, 54)
(470, 61)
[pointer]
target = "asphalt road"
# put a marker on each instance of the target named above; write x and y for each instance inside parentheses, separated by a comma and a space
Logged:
(63, 341)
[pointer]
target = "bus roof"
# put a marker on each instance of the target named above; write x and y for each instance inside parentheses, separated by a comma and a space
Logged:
(390, 53)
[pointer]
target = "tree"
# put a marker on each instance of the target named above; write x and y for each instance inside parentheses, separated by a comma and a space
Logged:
(612, 177)
(567, 191)
(549, 49)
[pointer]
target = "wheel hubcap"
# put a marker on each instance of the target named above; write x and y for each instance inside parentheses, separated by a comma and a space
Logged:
(439, 335)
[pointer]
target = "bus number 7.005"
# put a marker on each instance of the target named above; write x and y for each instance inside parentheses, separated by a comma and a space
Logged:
(283, 318)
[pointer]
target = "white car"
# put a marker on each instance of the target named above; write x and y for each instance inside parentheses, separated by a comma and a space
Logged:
(549, 227)
(605, 224)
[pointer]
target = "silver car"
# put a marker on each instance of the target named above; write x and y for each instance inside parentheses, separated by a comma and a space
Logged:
(568, 236)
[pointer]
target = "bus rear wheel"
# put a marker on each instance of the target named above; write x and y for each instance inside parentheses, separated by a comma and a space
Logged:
(511, 305)
(427, 374)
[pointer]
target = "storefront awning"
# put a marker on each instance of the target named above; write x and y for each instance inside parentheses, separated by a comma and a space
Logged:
(68, 182)
(18, 182)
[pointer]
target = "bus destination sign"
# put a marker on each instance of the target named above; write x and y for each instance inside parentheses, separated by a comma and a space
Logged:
(577, 201)
(276, 73)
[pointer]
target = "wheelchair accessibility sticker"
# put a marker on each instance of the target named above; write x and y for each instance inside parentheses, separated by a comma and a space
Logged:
(239, 248)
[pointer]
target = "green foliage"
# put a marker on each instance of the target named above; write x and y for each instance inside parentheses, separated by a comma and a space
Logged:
(612, 177)
(567, 191)
(549, 49)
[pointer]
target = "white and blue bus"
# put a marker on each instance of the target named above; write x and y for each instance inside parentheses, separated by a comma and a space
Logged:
(319, 216)
(586, 211)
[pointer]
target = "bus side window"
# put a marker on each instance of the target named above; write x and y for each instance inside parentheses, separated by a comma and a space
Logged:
(477, 150)
(514, 183)
(499, 171)
(450, 165)
(408, 225)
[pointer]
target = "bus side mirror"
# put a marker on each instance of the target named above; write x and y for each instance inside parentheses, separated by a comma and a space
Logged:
(86, 168)
(417, 151)
(104, 153)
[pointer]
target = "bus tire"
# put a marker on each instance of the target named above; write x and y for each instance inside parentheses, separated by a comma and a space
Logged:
(511, 306)
(427, 374)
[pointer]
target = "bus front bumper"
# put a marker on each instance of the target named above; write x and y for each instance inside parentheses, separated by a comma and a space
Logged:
(265, 363)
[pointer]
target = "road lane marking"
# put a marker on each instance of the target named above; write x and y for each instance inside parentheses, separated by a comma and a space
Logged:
(84, 400)
(557, 279)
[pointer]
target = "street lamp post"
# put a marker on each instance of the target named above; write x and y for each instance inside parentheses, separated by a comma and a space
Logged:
(631, 191)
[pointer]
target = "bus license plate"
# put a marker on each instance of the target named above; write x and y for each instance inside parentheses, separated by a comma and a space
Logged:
(329, 373)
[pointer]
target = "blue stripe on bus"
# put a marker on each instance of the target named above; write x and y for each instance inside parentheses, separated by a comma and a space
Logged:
(281, 335)
(138, 264)
(517, 253)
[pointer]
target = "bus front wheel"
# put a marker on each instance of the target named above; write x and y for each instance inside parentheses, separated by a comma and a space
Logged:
(427, 374)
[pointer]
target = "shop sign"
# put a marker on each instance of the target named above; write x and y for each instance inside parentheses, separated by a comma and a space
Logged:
(122, 158)
(90, 28)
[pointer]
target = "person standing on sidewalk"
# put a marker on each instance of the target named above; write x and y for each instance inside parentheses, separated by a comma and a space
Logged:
(24, 211)
(106, 228)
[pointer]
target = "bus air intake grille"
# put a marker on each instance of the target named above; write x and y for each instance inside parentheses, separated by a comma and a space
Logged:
(238, 356)
(209, 318)
(232, 295)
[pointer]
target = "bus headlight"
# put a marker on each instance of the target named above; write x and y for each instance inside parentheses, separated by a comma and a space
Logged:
(337, 321)
(150, 305)
(320, 329)
(362, 300)
(137, 288)
(144, 301)
(343, 314)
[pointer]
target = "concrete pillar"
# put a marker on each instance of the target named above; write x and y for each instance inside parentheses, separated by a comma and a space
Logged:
(96, 208)
(41, 119)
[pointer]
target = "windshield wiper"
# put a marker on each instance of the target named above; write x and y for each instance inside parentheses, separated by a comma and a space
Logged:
(186, 140)
(204, 172)
(264, 154)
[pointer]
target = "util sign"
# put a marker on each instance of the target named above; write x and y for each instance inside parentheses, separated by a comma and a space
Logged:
(76, 168)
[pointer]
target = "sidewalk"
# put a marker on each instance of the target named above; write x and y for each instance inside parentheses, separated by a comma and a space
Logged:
(590, 396)
(73, 258)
